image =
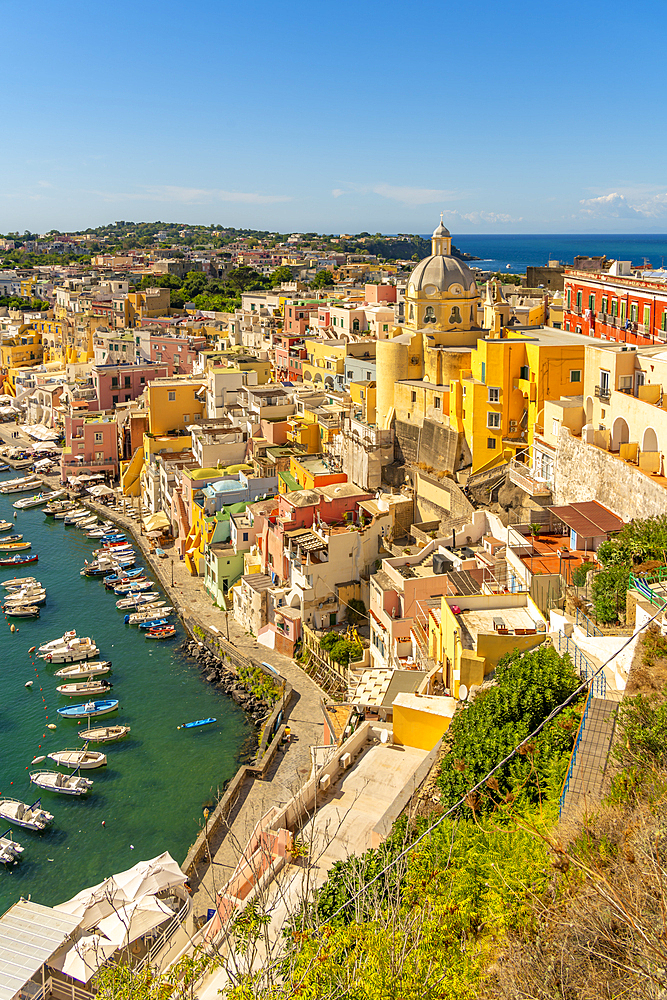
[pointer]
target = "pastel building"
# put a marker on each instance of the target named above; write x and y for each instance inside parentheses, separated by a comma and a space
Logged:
(122, 383)
(91, 445)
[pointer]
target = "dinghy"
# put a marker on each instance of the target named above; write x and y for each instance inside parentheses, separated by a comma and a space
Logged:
(30, 817)
(105, 734)
(18, 581)
(84, 671)
(153, 623)
(198, 722)
(137, 601)
(161, 633)
(10, 850)
(65, 784)
(85, 759)
(89, 708)
(6, 525)
(17, 545)
(84, 689)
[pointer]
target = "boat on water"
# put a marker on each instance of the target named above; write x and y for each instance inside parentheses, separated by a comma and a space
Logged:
(59, 506)
(165, 632)
(30, 817)
(104, 734)
(123, 576)
(84, 689)
(85, 523)
(37, 500)
(18, 560)
(11, 539)
(153, 623)
(81, 648)
(149, 614)
(72, 516)
(197, 722)
(92, 668)
(65, 784)
(18, 581)
(89, 708)
(23, 484)
(6, 525)
(15, 545)
(82, 758)
(137, 601)
(29, 595)
(22, 611)
(10, 850)
(135, 586)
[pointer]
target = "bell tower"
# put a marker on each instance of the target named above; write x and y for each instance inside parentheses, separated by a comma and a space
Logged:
(441, 241)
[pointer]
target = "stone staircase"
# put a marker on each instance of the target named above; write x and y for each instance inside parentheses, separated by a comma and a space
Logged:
(590, 767)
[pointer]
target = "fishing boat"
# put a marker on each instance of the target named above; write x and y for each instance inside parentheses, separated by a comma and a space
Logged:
(37, 500)
(198, 722)
(6, 525)
(84, 689)
(84, 758)
(59, 506)
(136, 586)
(161, 633)
(15, 545)
(89, 708)
(65, 784)
(22, 611)
(149, 614)
(10, 850)
(18, 581)
(136, 601)
(123, 576)
(18, 560)
(22, 485)
(105, 734)
(84, 671)
(31, 817)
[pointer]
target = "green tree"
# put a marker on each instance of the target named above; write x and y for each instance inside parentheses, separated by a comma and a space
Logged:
(323, 279)
(280, 275)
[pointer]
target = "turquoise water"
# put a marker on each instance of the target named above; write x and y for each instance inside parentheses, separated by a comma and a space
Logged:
(158, 779)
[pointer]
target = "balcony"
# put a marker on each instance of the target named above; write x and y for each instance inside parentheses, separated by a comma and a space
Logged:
(521, 476)
(603, 393)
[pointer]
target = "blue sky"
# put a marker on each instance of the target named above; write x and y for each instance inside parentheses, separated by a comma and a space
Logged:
(337, 117)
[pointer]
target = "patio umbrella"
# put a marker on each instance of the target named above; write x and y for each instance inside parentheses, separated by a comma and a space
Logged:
(131, 921)
(150, 877)
(84, 959)
(95, 903)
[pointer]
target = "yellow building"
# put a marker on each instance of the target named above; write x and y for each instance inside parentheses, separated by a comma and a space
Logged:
(363, 395)
(245, 363)
(173, 404)
(23, 349)
(326, 360)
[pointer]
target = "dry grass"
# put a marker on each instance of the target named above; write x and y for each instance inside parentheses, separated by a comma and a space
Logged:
(648, 672)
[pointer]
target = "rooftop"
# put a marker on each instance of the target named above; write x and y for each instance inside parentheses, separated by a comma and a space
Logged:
(29, 935)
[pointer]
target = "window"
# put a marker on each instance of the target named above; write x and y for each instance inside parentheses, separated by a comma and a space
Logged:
(490, 443)
(614, 307)
(172, 397)
(591, 302)
(368, 376)
(663, 322)
(351, 374)
(128, 381)
(494, 395)
(143, 380)
(577, 329)
(385, 327)
(186, 418)
(114, 400)
(555, 427)
(575, 375)
(633, 311)
(437, 402)
(245, 536)
(414, 394)
(524, 372)
(98, 436)
(99, 455)
(114, 381)
(604, 381)
(578, 300)
(647, 315)
(128, 397)
(605, 304)
(569, 298)
(483, 371)
(81, 447)
(493, 420)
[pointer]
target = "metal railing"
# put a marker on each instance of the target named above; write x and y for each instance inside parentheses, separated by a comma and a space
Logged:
(582, 665)
(642, 585)
(602, 393)
(591, 628)
(575, 750)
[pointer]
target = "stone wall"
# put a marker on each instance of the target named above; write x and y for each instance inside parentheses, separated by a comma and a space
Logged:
(433, 445)
(584, 472)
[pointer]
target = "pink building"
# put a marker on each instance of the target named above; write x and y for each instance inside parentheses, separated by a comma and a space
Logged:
(91, 445)
(374, 294)
(178, 352)
(123, 383)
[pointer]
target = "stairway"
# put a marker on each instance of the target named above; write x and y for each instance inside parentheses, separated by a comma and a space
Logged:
(589, 769)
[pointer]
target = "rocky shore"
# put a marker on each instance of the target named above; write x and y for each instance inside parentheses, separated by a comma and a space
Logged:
(225, 678)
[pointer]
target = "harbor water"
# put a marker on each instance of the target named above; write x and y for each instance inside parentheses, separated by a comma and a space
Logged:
(151, 795)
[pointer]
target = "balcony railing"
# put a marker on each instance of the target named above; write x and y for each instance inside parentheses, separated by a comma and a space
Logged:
(603, 393)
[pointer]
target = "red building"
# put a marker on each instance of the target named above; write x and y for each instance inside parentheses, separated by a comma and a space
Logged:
(618, 304)
(179, 353)
(290, 353)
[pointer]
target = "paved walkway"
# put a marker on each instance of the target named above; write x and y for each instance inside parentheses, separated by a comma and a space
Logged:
(292, 764)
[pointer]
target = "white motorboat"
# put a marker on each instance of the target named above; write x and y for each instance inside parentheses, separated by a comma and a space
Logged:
(6, 525)
(86, 523)
(38, 500)
(18, 581)
(80, 648)
(72, 516)
(21, 485)
(84, 689)
(105, 734)
(147, 615)
(10, 850)
(21, 610)
(46, 647)
(25, 597)
(65, 784)
(137, 601)
(84, 759)
(31, 817)
(84, 670)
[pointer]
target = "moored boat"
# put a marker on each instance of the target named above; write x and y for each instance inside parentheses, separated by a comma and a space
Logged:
(153, 623)
(37, 500)
(23, 484)
(196, 723)
(68, 649)
(104, 734)
(21, 611)
(18, 560)
(18, 581)
(161, 611)
(84, 689)
(59, 507)
(161, 633)
(89, 708)
(6, 525)
(82, 758)
(65, 784)
(136, 601)
(10, 850)
(15, 546)
(92, 668)
(133, 587)
(30, 817)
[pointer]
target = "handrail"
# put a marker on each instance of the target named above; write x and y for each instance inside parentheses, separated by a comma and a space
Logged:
(641, 584)
(586, 670)
(591, 629)
(575, 748)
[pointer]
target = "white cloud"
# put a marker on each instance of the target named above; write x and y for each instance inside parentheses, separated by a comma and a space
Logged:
(616, 205)
(192, 196)
(337, 192)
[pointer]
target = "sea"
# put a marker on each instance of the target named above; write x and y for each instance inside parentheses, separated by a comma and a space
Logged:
(151, 795)
(513, 253)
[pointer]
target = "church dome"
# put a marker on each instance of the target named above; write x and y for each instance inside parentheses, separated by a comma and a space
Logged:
(439, 273)
(441, 230)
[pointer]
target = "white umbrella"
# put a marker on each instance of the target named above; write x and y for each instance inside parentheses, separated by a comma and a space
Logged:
(84, 958)
(131, 921)
(149, 877)
(95, 903)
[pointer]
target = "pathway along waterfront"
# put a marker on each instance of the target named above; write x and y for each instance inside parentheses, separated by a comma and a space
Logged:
(152, 793)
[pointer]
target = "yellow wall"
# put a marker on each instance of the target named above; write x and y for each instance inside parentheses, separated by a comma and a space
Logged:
(328, 360)
(420, 729)
(167, 414)
(15, 353)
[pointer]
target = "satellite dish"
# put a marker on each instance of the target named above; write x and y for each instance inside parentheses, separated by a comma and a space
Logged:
(384, 736)
(463, 692)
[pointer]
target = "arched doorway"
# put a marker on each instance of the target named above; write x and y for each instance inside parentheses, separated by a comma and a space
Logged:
(589, 409)
(620, 433)
(650, 440)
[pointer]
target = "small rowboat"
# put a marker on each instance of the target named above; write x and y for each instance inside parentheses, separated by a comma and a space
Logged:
(56, 781)
(105, 734)
(6, 525)
(90, 708)
(10, 850)
(131, 588)
(154, 623)
(92, 668)
(15, 546)
(84, 689)
(147, 613)
(19, 581)
(137, 601)
(161, 633)
(85, 759)
(30, 817)
(18, 560)
(10, 539)
(199, 722)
